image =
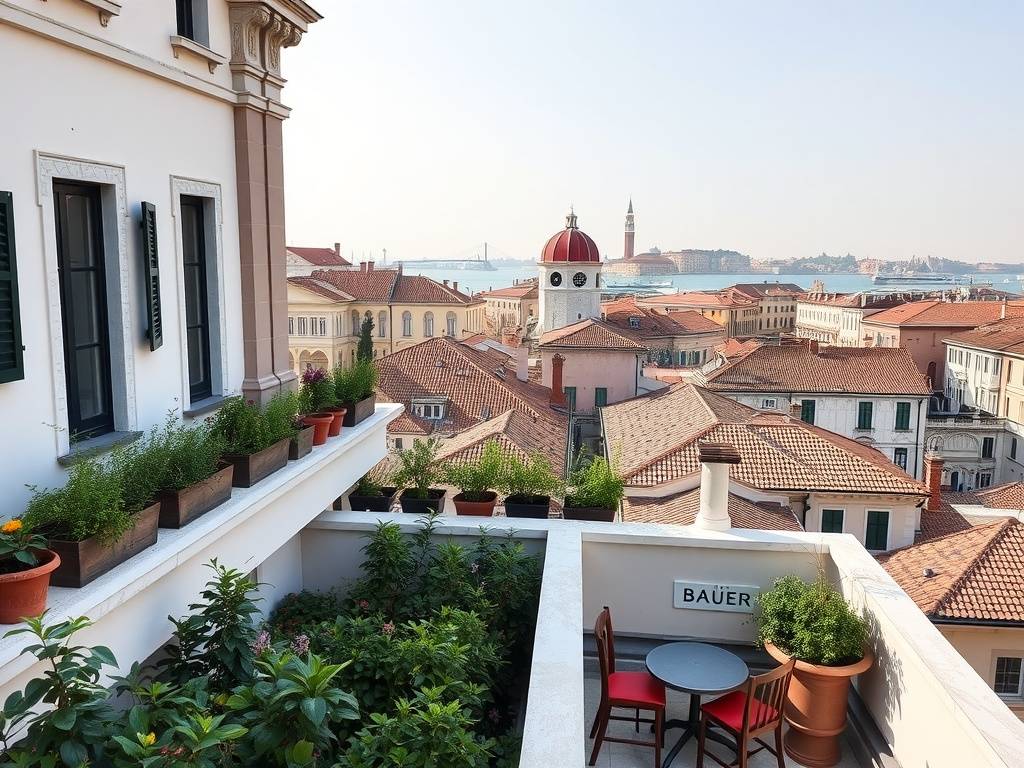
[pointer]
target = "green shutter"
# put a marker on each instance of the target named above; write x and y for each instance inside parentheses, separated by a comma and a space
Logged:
(807, 411)
(12, 360)
(151, 257)
(864, 415)
(877, 533)
(831, 521)
(601, 396)
(902, 415)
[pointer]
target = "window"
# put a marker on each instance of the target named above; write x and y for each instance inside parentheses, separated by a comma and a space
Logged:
(83, 300)
(197, 307)
(899, 458)
(903, 416)
(323, 326)
(382, 324)
(601, 396)
(407, 323)
(769, 403)
(12, 362)
(303, 326)
(864, 415)
(1013, 447)
(428, 324)
(807, 411)
(450, 323)
(398, 443)
(876, 535)
(192, 22)
(1008, 676)
(356, 323)
(984, 479)
(291, 325)
(570, 397)
(988, 447)
(831, 521)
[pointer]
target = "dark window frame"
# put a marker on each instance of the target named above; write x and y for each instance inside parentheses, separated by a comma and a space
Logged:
(828, 520)
(903, 417)
(203, 388)
(872, 528)
(988, 447)
(807, 411)
(896, 452)
(865, 415)
(186, 18)
(598, 392)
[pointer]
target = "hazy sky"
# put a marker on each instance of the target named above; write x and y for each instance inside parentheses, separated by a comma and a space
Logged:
(778, 129)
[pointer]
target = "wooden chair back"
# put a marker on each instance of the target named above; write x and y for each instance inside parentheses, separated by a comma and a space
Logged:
(766, 698)
(604, 637)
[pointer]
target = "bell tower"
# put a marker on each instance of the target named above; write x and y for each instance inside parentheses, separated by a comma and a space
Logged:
(630, 232)
(569, 279)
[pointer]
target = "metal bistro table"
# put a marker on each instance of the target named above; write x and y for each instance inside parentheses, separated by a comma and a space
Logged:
(699, 670)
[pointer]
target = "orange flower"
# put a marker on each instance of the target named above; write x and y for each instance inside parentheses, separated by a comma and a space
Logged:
(11, 526)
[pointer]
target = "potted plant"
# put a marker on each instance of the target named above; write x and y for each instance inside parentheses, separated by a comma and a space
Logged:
(91, 523)
(355, 389)
(596, 491)
(317, 400)
(255, 439)
(417, 472)
(301, 443)
(369, 495)
(475, 479)
(813, 623)
(528, 485)
(25, 568)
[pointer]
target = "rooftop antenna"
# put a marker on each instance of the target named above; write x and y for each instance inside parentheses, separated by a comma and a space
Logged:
(385, 252)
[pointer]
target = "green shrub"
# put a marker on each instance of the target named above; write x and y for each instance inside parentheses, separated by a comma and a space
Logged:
(530, 480)
(316, 392)
(811, 621)
(417, 468)
(171, 457)
(368, 485)
(299, 611)
(596, 484)
(478, 477)
(91, 503)
(355, 383)
(364, 349)
(245, 428)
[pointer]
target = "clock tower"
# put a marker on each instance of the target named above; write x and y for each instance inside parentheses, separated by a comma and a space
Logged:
(569, 282)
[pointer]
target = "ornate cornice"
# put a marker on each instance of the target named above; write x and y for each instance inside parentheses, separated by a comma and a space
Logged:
(259, 30)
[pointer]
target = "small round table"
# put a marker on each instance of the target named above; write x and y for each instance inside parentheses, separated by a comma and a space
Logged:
(699, 670)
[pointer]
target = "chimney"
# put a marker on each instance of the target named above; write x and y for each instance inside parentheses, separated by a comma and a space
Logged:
(369, 266)
(445, 281)
(523, 361)
(455, 285)
(557, 395)
(337, 249)
(933, 479)
(362, 266)
(715, 459)
(813, 346)
(1002, 310)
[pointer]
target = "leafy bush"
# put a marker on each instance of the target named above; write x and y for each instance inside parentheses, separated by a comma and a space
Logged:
(417, 468)
(476, 478)
(300, 610)
(356, 382)
(368, 485)
(173, 456)
(364, 349)
(530, 480)
(91, 503)
(811, 621)
(317, 391)
(245, 428)
(596, 484)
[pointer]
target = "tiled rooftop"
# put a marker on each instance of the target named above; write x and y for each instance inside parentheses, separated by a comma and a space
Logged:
(591, 334)
(945, 313)
(646, 323)
(320, 257)
(681, 509)
(1002, 336)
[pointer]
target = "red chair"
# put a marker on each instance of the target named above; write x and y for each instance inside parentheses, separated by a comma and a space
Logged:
(625, 690)
(747, 714)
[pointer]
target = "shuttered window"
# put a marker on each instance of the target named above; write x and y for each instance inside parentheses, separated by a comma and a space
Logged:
(903, 416)
(197, 303)
(12, 363)
(831, 521)
(807, 411)
(876, 536)
(601, 396)
(864, 415)
(151, 259)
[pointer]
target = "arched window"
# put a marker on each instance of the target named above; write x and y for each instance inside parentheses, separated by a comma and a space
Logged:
(428, 324)
(382, 324)
(450, 323)
(355, 323)
(407, 323)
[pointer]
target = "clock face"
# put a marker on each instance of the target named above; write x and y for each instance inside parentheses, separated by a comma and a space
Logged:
(555, 279)
(579, 279)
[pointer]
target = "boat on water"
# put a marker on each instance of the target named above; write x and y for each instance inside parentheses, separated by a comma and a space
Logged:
(658, 284)
(904, 278)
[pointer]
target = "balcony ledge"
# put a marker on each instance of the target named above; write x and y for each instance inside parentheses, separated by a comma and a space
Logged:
(212, 59)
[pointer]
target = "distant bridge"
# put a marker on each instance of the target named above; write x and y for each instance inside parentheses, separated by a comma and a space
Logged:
(474, 262)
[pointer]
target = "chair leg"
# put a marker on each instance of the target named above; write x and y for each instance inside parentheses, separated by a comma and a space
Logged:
(779, 746)
(700, 742)
(638, 721)
(741, 742)
(659, 735)
(602, 727)
(597, 719)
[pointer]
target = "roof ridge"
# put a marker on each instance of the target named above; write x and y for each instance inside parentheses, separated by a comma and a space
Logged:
(1000, 529)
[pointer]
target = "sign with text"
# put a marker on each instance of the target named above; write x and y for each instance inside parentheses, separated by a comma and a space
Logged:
(699, 596)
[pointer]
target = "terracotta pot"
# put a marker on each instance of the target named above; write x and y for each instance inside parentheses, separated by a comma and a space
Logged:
(251, 468)
(816, 708)
(302, 443)
(413, 506)
(83, 561)
(528, 506)
(359, 410)
(475, 508)
(382, 503)
(321, 424)
(178, 508)
(594, 514)
(23, 594)
(339, 418)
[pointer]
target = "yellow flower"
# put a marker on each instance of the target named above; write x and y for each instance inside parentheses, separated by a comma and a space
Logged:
(148, 740)
(11, 526)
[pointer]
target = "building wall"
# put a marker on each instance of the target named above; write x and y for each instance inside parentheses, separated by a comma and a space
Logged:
(566, 303)
(680, 350)
(588, 369)
(981, 646)
(973, 378)
(509, 312)
(925, 345)
(904, 514)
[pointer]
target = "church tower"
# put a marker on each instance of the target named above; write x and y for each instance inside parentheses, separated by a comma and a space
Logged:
(630, 232)
(569, 282)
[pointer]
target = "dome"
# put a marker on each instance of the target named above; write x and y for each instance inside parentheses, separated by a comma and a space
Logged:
(570, 245)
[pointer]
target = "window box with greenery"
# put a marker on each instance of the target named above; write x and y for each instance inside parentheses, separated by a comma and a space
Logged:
(595, 493)
(370, 495)
(25, 567)
(101, 517)
(255, 439)
(302, 441)
(317, 402)
(475, 480)
(528, 485)
(813, 623)
(355, 389)
(416, 473)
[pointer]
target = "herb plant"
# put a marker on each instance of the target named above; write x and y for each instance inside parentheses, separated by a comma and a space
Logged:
(316, 392)
(529, 481)
(476, 478)
(245, 428)
(417, 468)
(355, 383)
(596, 484)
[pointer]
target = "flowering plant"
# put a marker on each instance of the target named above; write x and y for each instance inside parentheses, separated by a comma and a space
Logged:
(317, 390)
(18, 547)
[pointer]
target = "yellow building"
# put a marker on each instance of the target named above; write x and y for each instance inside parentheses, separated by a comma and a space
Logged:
(326, 311)
(517, 306)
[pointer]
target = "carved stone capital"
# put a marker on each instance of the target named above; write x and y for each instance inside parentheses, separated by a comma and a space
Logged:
(259, 30)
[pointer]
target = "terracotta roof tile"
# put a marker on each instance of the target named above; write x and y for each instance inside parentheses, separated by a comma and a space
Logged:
(977, 574)
(758, 290)
(944, 313)
(369, 285)
(713, 300)
(795, 368)
(320, 257)
(515, 431)
(647, 323)
(591, 334)
(947, 519)
(1002, 336)
(416, 289)
(320, 287)
(528, 291)
(681, 509)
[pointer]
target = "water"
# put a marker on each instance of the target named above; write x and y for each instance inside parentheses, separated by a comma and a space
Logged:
(473, 280)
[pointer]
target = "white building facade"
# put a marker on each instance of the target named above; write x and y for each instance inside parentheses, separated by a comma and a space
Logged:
(569, 278)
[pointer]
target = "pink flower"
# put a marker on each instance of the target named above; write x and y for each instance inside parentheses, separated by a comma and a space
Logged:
(388, 628)
(262, 643)
(364, 605)
(300, 645)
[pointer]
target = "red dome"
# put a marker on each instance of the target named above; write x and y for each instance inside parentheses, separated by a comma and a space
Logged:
(571, 244)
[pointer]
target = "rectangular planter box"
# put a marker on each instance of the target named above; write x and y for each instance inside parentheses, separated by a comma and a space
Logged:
(83, 561)
(356, 412)
(250, 469)
(593, 514)
(369, 503)
(301, 444)
(516, 508)
(413, 506)
(178, 508)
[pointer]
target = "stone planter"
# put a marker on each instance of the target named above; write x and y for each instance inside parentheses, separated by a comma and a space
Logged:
(528, 506)
(23, 594)
(594, 514)
(301, 444)
(339, 418)
(475, 508)
(816, 708)
(382, 503)
(83, 561)
(252, 468)
(413, 506)
(360, 410)
(321, 424)
(178, 508)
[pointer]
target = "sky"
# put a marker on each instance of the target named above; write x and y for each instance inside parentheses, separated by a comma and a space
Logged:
(779, 129)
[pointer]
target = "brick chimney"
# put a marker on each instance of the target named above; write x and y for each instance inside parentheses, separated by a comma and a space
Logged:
(337, 249)
(933, 463)
(813, 346)
(715, 458)
(369, 266)
(557, 395)
(523, 361)
(362, 266)
(455, 285)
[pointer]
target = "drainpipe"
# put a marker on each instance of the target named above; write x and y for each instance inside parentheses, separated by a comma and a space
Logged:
(715, 459)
